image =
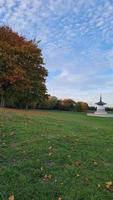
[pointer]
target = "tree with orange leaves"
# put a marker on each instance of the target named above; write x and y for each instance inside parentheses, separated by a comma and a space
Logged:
(22, 71)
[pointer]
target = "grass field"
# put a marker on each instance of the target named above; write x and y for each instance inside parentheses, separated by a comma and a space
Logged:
(55, 156)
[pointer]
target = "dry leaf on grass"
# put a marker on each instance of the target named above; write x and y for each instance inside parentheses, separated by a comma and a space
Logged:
(50, 151)
(41, 169)
(12, 133)
(55, 180)
(47, 177)
(94, 162)
(11, 197)
(50, 154)
(109, 185)
(77, 175)
(59, 198)
(77, 163)
(50, 148)
(99, 186)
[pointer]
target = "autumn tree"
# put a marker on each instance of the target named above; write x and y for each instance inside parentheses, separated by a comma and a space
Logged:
(66, 104)
(81, 106)
(69, 104)
(49, 103)
(22, 71)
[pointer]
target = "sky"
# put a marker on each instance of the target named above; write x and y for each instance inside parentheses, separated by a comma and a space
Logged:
(76, 41)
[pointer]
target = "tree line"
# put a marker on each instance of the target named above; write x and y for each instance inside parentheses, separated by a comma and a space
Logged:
(53, 103)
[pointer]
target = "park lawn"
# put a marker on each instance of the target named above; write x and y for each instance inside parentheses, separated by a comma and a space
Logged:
(55, 156)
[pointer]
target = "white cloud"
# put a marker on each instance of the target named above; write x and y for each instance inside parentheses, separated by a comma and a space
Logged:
(71, 32)
(2, 3)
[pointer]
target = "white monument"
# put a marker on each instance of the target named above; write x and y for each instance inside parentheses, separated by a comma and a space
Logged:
(100, 110)
(100, 107)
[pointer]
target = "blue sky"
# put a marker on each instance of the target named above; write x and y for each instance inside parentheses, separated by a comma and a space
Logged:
(76, 40)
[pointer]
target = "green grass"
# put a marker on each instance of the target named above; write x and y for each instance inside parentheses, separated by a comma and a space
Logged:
(38, 143)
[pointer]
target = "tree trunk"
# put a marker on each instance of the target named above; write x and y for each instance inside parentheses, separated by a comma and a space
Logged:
(2, 103)
(26, 106)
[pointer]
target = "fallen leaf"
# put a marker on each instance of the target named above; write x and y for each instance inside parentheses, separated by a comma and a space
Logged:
(50, 154)
(45, 178)
(77, 175)
(94, 162)
(49, 176)
(11, 197)
(55, 180)
(12, 133)
(99, 186)
(59, 198)
(77, 163)
(109, 186)
(41, 169)
(50, 148)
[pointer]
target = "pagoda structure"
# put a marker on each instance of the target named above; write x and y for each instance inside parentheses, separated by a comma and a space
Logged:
(100, 112)
(100, 107)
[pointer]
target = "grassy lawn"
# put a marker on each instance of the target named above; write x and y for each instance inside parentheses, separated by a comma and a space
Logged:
(55, 156)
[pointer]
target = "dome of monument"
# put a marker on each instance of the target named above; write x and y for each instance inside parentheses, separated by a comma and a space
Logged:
(100, 103)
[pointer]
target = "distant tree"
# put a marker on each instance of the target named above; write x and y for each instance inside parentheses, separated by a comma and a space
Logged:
(81, 106)
(109, 109)
(59, 105)
(52, 102)
(91, 108)
(22, 71)
(69, 104)
(66, 104)
(49, 103)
